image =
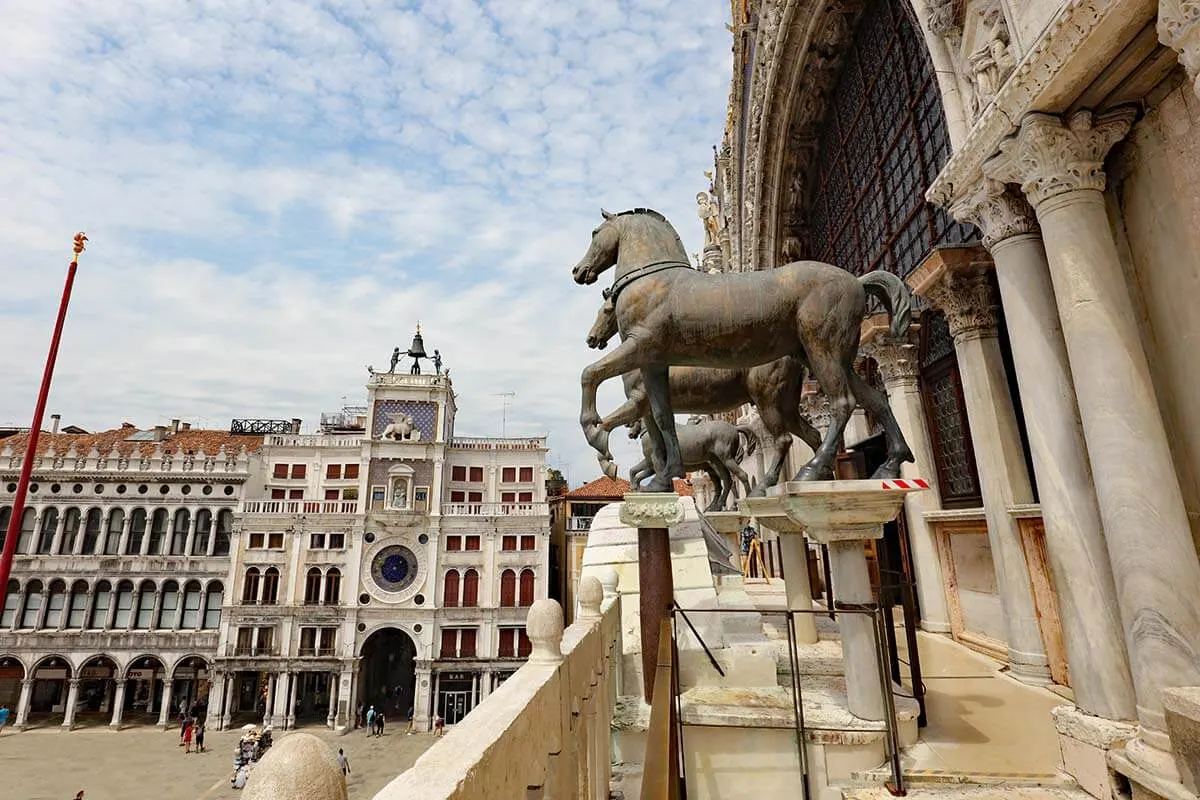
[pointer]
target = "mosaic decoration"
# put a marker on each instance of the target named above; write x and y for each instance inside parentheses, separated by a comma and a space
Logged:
(394, 568)
(424, 414)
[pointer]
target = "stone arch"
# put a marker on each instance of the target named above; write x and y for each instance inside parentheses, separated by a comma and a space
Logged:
(145, 677)
(11, 660)
(387, 675)
(55, 660)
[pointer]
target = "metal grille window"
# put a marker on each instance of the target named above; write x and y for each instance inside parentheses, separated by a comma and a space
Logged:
(883, 141)
(946, 415)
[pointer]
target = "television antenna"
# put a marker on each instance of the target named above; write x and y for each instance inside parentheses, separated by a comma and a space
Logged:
(504, 409)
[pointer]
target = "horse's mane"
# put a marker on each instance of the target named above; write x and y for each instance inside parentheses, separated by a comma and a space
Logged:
(649, 211)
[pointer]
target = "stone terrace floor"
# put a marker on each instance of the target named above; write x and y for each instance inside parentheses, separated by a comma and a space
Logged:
(143, 762)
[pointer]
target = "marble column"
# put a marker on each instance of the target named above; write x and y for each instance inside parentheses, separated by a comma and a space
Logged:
(957, 281)
(1083, 578)
(164, 713)
(118, 704)
(1179, 29)
(72, 701)
(269, 705)
(227, 713)
(422, 696)
(216, 700)
(332, 715)
(23, 703)
(897, 362)
(1059, 166)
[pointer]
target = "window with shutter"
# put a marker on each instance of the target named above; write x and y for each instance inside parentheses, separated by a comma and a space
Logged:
(508, 589)
(524, 646)
(299, 471)
(458, 473)
(466, 646)
(508, 543)
(472, 543)
(508, 475)
(453, 543)
(476, 474)
(279, 471)
(351, 472)
(507, 648)
(450, 589)
(449, 643)
(528, 542)
(526, 588)
(470, 589)
(333, 472)
(526, 474)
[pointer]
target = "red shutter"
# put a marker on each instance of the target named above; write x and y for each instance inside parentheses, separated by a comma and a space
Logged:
(278, 494)
(467, 648)
(453, 543)
(508, 497)
(474, 497)
(476, 474)
(524, 646)
(528, 542)
(526, 474)
(333, 472)
(450, 589)
(458, 473)
(472, 542)
(470, 589)
(299, 470)
(351, 472)
(508, 589)
(280, 471)
(525, 497)
(526, 588)
(458, 497)
(333, 494)
(295, 494)
(508, 543)
(449, 642)
(507, 635)
(508, 475)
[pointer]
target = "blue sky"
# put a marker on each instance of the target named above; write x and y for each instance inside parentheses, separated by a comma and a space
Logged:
(276, 191)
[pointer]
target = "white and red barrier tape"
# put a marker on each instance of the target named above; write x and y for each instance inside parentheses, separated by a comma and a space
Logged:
(913, 483)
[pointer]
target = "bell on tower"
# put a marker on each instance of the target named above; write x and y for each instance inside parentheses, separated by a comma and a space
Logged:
(417, 351)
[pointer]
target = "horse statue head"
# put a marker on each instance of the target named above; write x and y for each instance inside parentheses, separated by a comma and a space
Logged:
(630, 240)
(605, 326)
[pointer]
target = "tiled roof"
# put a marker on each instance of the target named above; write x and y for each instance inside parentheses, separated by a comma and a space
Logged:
(606, 488)
(194, 440)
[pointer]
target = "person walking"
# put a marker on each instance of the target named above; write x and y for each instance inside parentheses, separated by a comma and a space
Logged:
(358, 716)
(3, 716)
(188, 731)
(439, 725)
(343, 762)
(183, 722)
(409, 732)
(371, 721)
(200, 739)
(379, 720)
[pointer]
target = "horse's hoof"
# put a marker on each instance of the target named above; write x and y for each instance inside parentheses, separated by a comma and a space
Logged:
(811, 473)
(888, 471)
(609, 468)
(760, 490)
(660, 485)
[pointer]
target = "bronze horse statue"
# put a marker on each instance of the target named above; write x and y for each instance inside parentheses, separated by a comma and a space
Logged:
(773, 388)
(669, 314)
(713, 445)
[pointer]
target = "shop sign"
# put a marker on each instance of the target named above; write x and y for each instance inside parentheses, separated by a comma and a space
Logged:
(45, 674)
(11, 673)
(457, 676)
(185, 672)
(141, 674)
(95, 672)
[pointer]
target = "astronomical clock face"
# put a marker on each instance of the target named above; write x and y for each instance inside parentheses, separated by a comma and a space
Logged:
(394, 568)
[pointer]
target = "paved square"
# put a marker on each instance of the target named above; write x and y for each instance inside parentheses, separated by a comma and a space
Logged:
(138, 763)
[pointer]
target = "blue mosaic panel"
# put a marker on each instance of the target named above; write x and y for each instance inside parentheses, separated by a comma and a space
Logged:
(423, 413)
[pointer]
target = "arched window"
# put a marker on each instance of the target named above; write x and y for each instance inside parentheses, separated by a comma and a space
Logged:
(191, 606)
(49, 524)
(124, 612)
(204, 523)
(470, 592)
(312, 587)
(5, 517)
(158, 531)
(70, 534)
(101, 602)
(137, 532)
(112, 539)
(179, 532)
(270, 591)
(145, 606)
(224, 532)
(212, 609)
(12, 601)
(168, 612)
(25, 537)
(882, 142)
(526, 588)
(508, 589)
(450, 589)
(250, 587)
(77, 610)
(91, 530)
(55, 603)
(33, 604)
(333, 586)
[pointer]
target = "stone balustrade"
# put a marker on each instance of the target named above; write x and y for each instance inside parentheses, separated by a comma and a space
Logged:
(495, 509)
(498, 443)
(300, 507)
(353, 441)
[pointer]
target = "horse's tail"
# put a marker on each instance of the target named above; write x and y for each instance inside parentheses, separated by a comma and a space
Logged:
(751, 441)
(895, 296)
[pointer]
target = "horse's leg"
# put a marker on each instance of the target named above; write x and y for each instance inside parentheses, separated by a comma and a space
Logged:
(621, 360)
(626, 413)
(773, 422)
(876, 402)
(639, 472)
(833, 374)
(657, 381)
(736, 470)
(798, 425)
(716, 469)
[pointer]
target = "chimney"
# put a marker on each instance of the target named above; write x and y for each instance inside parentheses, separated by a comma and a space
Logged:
(160, 432)
(186, 426)
(54, 420)
(295, 426)
(174, 426)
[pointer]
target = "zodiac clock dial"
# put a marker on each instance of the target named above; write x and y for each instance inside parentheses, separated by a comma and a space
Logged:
(394, 568)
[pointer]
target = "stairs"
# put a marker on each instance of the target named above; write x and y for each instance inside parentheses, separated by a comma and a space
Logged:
(962, 791)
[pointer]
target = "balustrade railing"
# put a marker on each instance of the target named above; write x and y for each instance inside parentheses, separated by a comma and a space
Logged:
(498, 443)
(300, 507)
(314, 440)
(579, 523)
(495, 509)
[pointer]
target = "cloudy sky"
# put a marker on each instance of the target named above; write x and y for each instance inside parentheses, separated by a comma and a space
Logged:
(277, 190)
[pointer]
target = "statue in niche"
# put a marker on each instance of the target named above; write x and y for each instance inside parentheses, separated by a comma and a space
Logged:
(710, 216)
(992, 62)
(402, 428)
(400, 493)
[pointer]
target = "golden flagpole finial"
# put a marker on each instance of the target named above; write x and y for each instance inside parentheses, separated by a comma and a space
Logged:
(80, 238)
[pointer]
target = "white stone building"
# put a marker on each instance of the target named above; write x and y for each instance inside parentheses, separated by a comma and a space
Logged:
(383, 561)
(115, 599)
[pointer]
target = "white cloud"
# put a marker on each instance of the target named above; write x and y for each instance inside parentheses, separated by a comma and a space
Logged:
(277, 192)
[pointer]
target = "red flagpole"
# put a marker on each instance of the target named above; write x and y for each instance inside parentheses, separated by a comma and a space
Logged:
(35, 430)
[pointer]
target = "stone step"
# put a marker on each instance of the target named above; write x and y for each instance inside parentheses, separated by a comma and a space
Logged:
(932, 778)
(971, 792)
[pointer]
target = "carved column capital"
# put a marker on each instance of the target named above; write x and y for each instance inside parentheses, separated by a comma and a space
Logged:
(967, 298)
(1049, 157)
(815, 406)
(1179, 29)
(998, 212)
(897, 360)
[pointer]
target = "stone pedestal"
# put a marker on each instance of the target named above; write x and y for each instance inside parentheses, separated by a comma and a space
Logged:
(793, 551)
(844, 515)
(652, 513)
(1182, 706)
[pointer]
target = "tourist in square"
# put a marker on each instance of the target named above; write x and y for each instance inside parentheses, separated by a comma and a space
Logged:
(439, 725)
(200, 738)
(371, 721)
(3, 716)
(343, 762)
(358, 716)
(409, 732)
(379, 720)
(189, 731)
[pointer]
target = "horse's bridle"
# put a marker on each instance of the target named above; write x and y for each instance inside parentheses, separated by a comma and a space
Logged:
(641, 272)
